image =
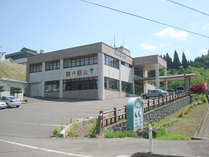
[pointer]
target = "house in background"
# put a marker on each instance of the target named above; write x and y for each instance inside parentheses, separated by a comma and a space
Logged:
(12, 87)
(21, 56)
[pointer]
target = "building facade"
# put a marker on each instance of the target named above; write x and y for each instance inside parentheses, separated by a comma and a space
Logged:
(21, 56)
(95, 71)
(10, 87)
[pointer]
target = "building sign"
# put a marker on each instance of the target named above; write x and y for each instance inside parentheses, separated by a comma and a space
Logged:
(80, 72)
(134, 114)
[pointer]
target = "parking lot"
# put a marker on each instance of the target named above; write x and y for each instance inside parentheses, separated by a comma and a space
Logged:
(37, 118)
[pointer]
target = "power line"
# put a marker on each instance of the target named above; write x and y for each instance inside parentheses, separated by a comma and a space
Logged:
(145, 18)
(188, 7)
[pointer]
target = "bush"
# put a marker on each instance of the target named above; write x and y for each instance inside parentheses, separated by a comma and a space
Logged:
(197, 88)
(56, 132)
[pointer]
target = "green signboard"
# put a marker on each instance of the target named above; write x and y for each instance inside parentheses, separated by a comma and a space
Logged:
(134, 114)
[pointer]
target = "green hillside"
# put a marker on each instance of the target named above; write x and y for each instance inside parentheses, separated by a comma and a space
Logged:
(12, 70)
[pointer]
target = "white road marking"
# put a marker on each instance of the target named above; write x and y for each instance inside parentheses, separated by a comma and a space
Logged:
(44, 149)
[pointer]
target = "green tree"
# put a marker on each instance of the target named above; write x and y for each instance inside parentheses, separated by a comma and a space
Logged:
(184, 60)
(1, 89)
(176, 61)
(168, 60)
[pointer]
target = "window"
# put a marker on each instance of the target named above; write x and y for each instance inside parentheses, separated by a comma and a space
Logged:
(80, 84)
(52, 65)
(110, 61)
(35, 68)
(80, 61)
(111, 83)
(52, 86)
(127, 87)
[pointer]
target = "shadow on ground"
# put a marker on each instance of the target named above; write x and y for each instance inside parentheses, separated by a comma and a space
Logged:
(152, 155)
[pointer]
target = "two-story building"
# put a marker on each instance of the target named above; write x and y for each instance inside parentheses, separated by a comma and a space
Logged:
(95, 71)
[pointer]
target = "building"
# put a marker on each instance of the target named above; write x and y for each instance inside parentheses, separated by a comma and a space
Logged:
(10, 87)
(21, 56)
(95, 71)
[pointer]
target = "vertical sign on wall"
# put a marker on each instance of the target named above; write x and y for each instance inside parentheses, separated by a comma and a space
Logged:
(134, 114)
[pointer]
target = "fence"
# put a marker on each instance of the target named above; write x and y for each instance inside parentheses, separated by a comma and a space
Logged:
(110, 117)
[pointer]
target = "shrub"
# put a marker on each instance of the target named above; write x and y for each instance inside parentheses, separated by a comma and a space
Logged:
(197, 88)
(56, 132)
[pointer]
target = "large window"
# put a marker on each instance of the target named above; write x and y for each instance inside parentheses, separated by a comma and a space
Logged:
(80, 84)
(127, 87)
(80, 61)
(113, 62)
(35, 68)
(111, 83)
(52, 86)
(52, 65)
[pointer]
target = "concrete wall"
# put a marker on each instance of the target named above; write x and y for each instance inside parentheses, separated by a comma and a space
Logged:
(51, 94)
(109, 94)
(81, 94)
(166, 110)
(111, 72)
(127, 74)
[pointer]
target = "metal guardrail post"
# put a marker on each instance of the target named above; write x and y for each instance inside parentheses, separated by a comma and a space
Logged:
(148, 105)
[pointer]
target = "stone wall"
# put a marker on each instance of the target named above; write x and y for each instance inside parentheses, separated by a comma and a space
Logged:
(166, 110)
(111, 94)
(81, 94)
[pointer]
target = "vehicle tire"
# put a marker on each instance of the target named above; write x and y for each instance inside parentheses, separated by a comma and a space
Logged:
(144, 97)
(17, 106)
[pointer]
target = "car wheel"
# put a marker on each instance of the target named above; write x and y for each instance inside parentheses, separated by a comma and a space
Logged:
(18, 106)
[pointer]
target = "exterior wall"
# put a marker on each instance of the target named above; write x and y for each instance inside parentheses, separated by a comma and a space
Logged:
(51, 94)
(7, 85)
(127, 74)
(20, 61)
(81, 94)
(109, 94)
(166, 110)
(111, 72)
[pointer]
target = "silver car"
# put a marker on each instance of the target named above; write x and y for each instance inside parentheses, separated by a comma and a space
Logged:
(3, 105)
(154, 93)
(11, 101)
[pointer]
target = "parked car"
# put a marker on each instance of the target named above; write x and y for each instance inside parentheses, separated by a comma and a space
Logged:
(180, 90)
(3, 105)
(11, 101)
(154, 93)
(171, 92)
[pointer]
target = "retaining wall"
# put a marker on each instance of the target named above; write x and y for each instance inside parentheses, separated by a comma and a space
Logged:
(166, 110)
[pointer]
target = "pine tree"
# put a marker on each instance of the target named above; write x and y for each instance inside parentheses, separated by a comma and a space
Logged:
(176, 61)
(184, 60)
(168, 60)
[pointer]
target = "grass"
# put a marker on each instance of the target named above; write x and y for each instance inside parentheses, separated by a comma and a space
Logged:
(84, 129)
(183, 124)
(119, 134)
(12, 70)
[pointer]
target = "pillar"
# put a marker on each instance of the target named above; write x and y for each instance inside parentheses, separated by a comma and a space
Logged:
(120, 82)
(145, 75)
(61, 80)
(157, 76)
(42, 82)
(166, 82)
(100, 74)
(133, 81)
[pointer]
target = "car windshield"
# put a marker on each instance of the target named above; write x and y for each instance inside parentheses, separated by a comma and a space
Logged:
(11, 97)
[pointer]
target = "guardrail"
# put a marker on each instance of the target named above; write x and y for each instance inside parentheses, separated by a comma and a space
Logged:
(111, 117)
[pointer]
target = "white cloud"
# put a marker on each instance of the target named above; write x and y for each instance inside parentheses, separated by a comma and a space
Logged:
(205, 27)
(172, 33)
(148, 47)
(204, 51)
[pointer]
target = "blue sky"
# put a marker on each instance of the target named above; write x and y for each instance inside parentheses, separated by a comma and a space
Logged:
(57, 24)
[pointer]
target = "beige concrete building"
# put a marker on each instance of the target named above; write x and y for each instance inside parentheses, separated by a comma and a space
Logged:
(95, 71)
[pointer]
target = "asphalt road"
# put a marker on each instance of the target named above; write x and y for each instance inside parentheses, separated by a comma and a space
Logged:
(25, 132)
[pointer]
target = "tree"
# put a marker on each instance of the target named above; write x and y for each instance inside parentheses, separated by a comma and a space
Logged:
(176, 61)
(1, 89)
(17, 90)
(168, 60)
(184, 60)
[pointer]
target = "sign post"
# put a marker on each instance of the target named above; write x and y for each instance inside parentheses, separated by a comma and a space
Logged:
(134, 114)
(150, 138)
